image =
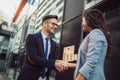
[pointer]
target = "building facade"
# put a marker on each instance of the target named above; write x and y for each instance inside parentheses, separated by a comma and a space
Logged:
(25, 25)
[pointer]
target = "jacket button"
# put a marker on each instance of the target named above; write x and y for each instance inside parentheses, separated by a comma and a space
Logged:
(89, 72)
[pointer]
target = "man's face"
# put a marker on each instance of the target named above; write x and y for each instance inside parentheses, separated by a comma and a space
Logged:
(50, 26)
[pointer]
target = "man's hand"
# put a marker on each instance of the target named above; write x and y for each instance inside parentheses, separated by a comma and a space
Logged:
(68, 65)
(61, 65)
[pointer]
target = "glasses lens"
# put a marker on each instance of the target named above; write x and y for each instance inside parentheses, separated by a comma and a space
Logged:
(53, 23)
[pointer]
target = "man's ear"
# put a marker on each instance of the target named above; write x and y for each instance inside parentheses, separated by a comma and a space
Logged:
(44, 24)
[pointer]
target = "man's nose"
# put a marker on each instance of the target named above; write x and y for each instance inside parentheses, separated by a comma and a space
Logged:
(55, 26)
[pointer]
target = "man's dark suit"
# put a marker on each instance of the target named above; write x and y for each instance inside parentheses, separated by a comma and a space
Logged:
(34, 60)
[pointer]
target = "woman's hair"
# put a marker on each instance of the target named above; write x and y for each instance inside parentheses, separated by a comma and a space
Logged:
(95, 19)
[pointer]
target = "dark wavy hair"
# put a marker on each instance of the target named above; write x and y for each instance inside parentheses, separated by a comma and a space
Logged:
(95, 19)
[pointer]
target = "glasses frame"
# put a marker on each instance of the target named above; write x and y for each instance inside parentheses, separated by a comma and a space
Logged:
(52, 23)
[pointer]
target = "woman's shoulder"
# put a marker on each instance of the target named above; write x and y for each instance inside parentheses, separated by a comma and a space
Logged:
(97, 34)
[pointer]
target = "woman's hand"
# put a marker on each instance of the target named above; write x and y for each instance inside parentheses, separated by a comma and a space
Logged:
(80, 77)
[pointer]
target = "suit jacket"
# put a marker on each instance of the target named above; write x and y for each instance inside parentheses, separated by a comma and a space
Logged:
(35, 53)
(91, 55)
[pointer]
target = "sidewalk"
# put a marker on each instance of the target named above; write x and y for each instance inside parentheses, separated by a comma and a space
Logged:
(3, 76)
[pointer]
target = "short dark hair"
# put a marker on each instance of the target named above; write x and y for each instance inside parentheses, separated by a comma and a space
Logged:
(49, 17)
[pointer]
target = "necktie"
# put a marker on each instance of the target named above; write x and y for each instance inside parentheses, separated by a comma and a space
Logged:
(44, 70)
(46, 48)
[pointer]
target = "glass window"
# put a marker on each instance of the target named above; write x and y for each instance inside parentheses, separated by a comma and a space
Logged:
(60, 10)
(37, 27)
(59, 2)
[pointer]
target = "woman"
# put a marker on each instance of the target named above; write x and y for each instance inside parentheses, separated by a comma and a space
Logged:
(94, 48)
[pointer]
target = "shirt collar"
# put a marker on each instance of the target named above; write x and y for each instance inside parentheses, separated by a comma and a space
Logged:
(43, 35)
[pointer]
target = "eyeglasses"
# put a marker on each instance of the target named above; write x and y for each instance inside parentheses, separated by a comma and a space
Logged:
(53, 23)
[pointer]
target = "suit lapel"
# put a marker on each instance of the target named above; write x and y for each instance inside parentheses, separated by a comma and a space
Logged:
(40, 42)
(52, 48)
(41, 45)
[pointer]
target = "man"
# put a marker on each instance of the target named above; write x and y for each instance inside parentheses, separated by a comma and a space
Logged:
(40, 58)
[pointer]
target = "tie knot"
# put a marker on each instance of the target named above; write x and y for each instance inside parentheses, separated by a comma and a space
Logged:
(47, 39)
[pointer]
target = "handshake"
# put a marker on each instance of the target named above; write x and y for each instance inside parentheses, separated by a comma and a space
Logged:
(62, 66)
